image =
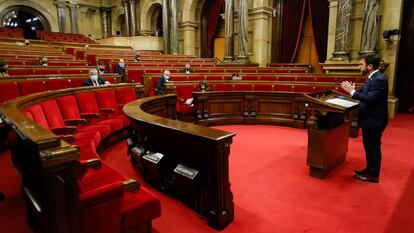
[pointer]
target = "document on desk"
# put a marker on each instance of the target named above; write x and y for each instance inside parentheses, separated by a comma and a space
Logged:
(341, 102)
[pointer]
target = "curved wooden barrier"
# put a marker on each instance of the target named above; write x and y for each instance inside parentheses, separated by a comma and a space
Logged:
(62, 194)
(195, 158)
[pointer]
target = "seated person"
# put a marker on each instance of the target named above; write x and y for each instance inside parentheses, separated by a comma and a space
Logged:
(101, 68)
(235, 76)
(94, 80)
(160, 89)
(138, 58)
(187, 69)
(120, 68)
(4, 66)
(43, 61)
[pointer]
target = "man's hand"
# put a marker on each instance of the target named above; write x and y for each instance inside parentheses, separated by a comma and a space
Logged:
(348, 87)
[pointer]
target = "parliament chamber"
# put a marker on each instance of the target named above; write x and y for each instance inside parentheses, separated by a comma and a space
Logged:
(200, 116)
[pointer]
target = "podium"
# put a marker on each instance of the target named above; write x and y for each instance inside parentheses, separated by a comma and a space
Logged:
(328, 126)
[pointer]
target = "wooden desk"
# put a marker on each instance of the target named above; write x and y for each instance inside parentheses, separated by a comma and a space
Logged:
(269, 108)
(199, 148)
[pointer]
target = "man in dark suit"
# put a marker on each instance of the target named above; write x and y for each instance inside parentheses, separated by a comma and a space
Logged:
(120, 68)
(160, 89)
(94, 80)
(187, 69)
(373, 114)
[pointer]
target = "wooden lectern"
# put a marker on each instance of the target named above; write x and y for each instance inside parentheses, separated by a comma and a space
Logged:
(328, 129)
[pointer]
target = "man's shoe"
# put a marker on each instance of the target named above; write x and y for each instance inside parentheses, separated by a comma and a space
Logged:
(366, 178)
(360, 172)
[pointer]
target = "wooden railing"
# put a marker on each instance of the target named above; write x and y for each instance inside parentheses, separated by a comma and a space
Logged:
(201, 151)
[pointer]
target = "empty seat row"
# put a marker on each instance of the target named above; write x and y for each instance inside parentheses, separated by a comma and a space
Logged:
(12, 89)
(85, 120)
(184, 91)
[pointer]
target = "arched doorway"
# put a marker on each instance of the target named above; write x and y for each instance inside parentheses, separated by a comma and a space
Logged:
(156, 20)
(120, 29)
(210, 18)
(26, 18)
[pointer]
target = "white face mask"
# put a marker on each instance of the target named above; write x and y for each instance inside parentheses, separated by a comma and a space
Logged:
(94, 77)
(121, 64)
(166, 77)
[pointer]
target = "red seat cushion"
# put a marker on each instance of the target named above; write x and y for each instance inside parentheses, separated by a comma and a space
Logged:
(139, 208)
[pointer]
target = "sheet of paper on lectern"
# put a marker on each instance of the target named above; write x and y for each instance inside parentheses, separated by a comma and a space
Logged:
(341, 102)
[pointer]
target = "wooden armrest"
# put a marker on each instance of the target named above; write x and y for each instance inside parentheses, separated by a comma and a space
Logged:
(94, 164)
(131, 186)
(180, 99)
(64, 130)
(107, 110)
(75, 122)
(89, 115)
(68, 138)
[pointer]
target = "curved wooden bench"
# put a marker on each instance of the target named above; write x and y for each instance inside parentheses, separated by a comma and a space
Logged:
(55, 138)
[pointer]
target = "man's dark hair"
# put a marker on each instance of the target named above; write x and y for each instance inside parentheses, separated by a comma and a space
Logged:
(101, 63)
(372, 59)
(3, 63)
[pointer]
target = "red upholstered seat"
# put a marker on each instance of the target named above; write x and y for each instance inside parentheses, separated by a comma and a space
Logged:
(38, 115)
(283, 88)
(223, 87)
(263, 87)
(87, 103)
(243, 87)
(139, 208)
(101, 197)
(101, 208)
(29, 87)
(77, 82)
(8, 90)
(125, 95)
(68, 107)
(107, 100)
(56, 84)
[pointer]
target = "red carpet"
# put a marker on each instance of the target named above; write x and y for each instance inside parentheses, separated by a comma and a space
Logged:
(273, 191)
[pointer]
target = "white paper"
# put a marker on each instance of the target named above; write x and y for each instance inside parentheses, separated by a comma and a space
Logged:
(341, 102)
(189, 101)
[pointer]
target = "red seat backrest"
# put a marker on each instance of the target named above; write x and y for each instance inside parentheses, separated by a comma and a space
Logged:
(8, 91)
(87, 102)
(223, 87)
(29, 87)
(106, 99)
(243, 87)
(38, 115)
(56, 84)
(125, 95)
(77, 82)
(185, 91)
(263, 87)
(53, 114)
(68, 107)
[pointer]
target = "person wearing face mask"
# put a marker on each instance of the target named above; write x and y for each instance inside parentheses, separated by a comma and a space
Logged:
(94, 80)
(187, 69)
(43, 61)
(4, 66)
(101, 68)
(120, 68)
(160, 89)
